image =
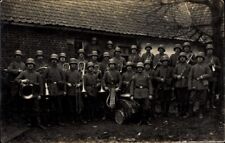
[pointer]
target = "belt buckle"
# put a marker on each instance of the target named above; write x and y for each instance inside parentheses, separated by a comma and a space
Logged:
(141, 87)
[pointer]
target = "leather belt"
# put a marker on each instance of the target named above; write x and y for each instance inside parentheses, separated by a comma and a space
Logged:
(141, 87)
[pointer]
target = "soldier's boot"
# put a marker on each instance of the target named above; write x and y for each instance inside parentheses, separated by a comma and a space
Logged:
(38, 120)
(190, 112)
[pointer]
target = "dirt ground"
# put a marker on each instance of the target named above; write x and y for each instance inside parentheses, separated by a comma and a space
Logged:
(162, 129)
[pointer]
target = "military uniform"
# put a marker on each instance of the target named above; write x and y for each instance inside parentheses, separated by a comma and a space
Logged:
(215, 66)
(74, 99)
(110, 49)
(126, 78)
(190, 55)
(32, 111)
(174, 57)
(92, 85)
(93, 47)
(134, 57)
(157, 59)
(55, 79)
(164, 76)
(119, 60)
(104, 64)
(141, 90)
(198, 84)
(181, 72)
(148, 55)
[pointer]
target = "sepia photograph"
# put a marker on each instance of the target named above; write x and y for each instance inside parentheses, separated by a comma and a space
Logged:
(110, 71)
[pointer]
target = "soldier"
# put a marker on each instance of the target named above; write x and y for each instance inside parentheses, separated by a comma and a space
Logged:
(120, 61)
(92, 85)
(180, 75)
(157, 59)
(94, 60)
(174, 57)
(148, 55)
(110, 48)
(73, 80)
(126, 77)
(30, 76)
(198, 84)
(141, 91)
(94, 46)
(134, 57)
(63, 65)
(18, 65)
(81, 60)
(215, 66)
(104, 64)
(164, 75)
(41, 65)
(190, 55)
(55, 81)
(112, 82)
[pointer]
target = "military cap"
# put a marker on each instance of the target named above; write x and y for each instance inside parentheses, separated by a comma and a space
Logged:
(94, 53)
(148, 45)
(129, 63)
(30, 61)
(73, 61)
(161, 46)
(62, 55)
(94, 38)
(54, 56)
(182, 54)
(112, 61)
(188, 44)
(140, 64)
(209, 46)
(133, 46)
(200, 54)
(39, 53)
(177, 46)
(106, 54)
(18, 52)
(117, 49)
(147, 62)
(81, 51)
(109, 42)
(90, 64)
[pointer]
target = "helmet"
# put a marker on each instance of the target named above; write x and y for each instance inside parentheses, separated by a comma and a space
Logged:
(147, 62)
(112, 61)
(109, 42)
(62, 55)
(54, 56)
(177, 46)
(182, 54)
(73, 61)
(39, 53)
(133, 46)
(106, 54)
(90, 64)
(200, 54)
(94, 53)
(209, 46)
(81, 51)
(187, 44)
(165, 58)
(30, 61)
(18, 52)
(140, 64)
(117, 49)
(161, 46)
(148, 45)
(129, 63)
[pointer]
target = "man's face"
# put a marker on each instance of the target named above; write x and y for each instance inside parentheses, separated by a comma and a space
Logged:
(187, 49)
(200, 59)
(53, 61)
(62, 59)
(18, 57)
(129, 68)
(109, 46)
(161, 51)
(40, 58)
(94, 58)
(117, 53)
(133, 51)
(30, 66)
(165, 63)
(73, 66)
(139, 69)
(182, 59)
(106, 58)
(91, 68)
(111, 66)
(147, 66)
(148, 49)
(81, 55)
(177, 50)
(209, 52)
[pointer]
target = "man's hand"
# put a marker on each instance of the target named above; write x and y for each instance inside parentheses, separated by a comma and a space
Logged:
(132, 97)
(117, 89)
(39, 97)
(106, 88)
(150, 97)
(69, 84)
(179, 77)
(162, 79)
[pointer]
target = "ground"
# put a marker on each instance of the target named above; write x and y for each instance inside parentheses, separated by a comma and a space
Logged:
(162, 129)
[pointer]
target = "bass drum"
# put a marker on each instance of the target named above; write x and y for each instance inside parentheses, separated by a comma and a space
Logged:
(126, 110)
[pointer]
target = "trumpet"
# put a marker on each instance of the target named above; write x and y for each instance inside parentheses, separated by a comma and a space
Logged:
(101, 90)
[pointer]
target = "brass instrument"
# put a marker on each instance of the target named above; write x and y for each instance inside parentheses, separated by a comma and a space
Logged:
(26, 89)
(188, 61)
(41, 69)
(46, 90)
(213, 65)
(83, 72)
(121, 68)
(101, 90)
(111, 99)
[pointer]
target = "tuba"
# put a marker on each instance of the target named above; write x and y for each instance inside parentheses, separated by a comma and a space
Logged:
(26, 90)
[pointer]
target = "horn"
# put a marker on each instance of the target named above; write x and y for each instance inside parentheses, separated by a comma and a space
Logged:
(46, 89)
(26, 90)
(83, 72)
(101, 90)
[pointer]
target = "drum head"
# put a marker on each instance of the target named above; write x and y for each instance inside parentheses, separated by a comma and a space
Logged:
(119, 117)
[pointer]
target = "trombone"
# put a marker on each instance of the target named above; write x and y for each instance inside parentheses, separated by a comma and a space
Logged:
(83, 72)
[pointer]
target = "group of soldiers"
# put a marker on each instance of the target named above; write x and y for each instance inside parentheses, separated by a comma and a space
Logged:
(88, 89)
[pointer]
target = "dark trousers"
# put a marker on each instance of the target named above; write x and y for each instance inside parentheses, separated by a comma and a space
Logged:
(144, 108)
(165, 97)
(182, 98)
(31, 111)
(198, 96)
(91, 107)
(211, 96)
